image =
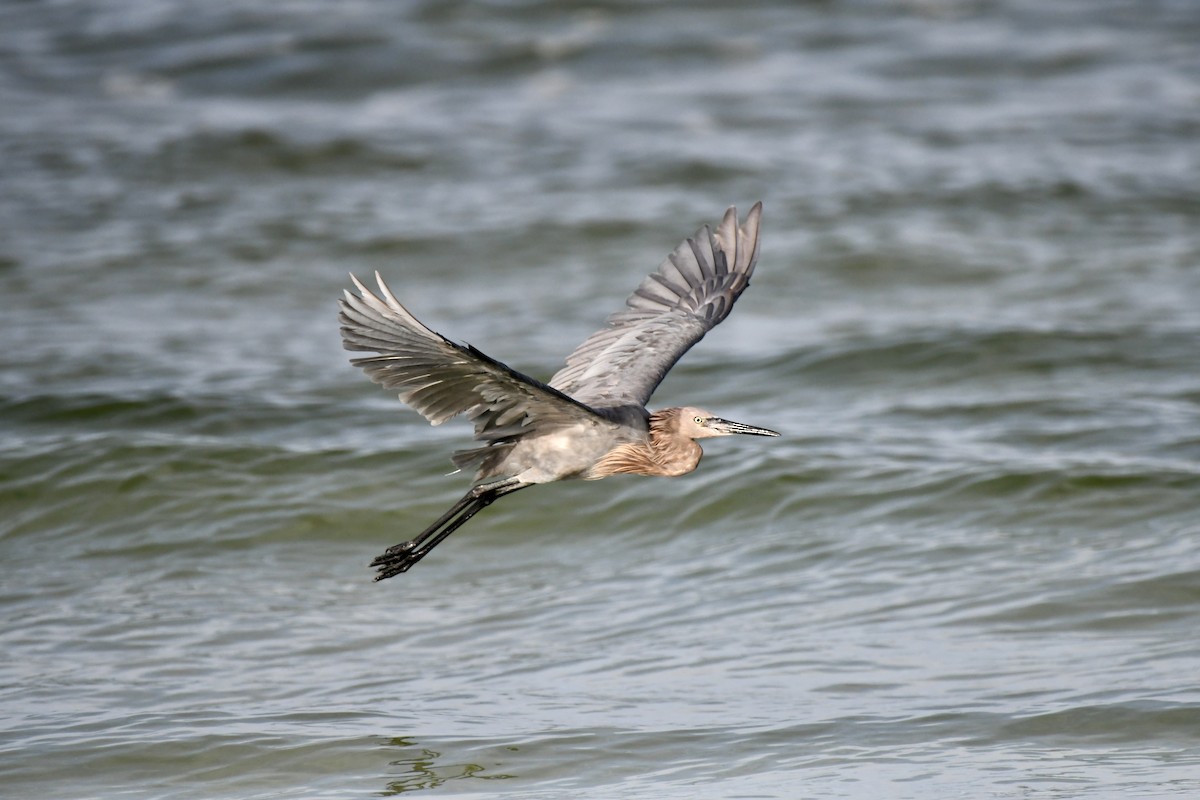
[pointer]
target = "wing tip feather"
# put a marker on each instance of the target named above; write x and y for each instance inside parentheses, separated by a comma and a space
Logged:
(716, 267)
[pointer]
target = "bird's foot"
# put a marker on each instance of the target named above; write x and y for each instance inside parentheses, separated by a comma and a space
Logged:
(395, 550)
(396, 559)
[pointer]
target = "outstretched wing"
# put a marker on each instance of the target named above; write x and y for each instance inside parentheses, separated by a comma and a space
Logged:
(672, 309)
(441, 379)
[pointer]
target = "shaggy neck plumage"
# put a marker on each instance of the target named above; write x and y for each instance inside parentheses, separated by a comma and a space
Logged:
(664, 452)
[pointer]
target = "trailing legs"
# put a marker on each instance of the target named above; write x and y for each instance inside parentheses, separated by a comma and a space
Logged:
(399, 558)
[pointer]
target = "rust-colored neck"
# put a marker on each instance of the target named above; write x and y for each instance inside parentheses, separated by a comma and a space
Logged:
(666, 451)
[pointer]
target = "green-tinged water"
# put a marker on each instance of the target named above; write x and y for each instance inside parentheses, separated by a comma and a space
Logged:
(969, 568)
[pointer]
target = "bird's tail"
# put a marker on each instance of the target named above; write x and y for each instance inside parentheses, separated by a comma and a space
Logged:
(482, 459)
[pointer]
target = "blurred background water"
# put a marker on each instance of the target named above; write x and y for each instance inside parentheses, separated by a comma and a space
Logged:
(970, 568)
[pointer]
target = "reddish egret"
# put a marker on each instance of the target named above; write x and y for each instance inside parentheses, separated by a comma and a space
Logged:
(590, 421)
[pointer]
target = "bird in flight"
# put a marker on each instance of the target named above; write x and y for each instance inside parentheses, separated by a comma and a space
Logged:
(590, 421)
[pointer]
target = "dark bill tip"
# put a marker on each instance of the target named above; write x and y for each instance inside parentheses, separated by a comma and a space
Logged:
(728, 426)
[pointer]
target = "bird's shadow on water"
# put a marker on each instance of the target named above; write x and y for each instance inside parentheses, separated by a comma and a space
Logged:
(420, 767)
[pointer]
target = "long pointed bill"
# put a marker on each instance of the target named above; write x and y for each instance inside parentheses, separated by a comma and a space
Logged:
(727, 426)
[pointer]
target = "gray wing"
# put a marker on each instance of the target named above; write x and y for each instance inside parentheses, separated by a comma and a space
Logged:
(672, 309)
(441, 379)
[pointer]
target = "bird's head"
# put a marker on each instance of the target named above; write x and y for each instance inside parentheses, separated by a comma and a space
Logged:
(696, 423)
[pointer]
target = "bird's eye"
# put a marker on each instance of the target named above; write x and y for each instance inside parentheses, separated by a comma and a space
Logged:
(698, 420)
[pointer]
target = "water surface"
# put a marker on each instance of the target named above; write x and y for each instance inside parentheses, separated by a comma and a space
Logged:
(971, 566)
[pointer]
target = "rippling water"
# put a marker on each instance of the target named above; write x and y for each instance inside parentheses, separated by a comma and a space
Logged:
(970, 568)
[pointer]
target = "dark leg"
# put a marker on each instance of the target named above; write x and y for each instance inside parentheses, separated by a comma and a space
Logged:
(400, 558)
